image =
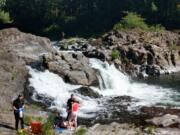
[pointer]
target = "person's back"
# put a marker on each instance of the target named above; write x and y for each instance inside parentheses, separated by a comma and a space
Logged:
(75, 107)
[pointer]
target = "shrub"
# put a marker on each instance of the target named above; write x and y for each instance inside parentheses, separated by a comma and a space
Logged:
(47, 125)
(115, 54)
(157, 28)
(80, 131)
(131, 21)
(28, 119)
(126, 60)
(4, 17)
(47, 128)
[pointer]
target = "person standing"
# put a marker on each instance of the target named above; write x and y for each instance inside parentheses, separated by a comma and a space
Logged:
(69, 106)
(18, 107)
(75, 107)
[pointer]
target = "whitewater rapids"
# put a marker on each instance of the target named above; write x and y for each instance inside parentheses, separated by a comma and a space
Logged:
(113, 83)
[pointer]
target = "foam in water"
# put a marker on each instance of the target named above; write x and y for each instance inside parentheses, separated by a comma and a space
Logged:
(52, 85)
(112, 83)
(116, 83)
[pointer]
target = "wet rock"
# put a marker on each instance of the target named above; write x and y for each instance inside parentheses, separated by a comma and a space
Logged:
(33, 97)
(167, 120)
(159, 111)
(86, 91)
(43, 99)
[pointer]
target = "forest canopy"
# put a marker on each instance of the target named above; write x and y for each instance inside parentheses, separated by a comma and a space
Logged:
(84, 17)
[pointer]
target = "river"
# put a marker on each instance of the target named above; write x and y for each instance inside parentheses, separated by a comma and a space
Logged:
(121, 96)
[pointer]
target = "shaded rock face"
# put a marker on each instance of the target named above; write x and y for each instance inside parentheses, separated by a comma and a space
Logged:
(17, 50)
(73, 67)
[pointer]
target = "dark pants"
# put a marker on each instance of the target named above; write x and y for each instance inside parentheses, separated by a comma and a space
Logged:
(17, 119)
(69, 114)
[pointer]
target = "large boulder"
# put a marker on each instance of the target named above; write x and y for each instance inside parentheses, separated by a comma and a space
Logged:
(17, 50)
(26, 46)
(73, 67)
(167, 120)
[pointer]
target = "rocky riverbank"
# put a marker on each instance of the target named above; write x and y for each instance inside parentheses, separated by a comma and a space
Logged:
(136, 52)
(133, 52)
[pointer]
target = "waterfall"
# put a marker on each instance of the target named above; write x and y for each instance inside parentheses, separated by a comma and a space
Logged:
(113, 83)
(118, 84)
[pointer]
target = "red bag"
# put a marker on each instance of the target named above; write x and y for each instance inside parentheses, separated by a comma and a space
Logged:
(36, 127)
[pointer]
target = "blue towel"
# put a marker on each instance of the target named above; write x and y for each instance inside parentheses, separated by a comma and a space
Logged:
(60, 129)
(19, 110)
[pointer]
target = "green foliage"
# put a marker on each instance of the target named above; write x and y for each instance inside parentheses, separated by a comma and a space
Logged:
(157, 28)
(154, 7)
(24, 132)
(74, 17)
(47, 128)
(131, 21)
(115, 54)
(150, 129)
(4, 17)
(126, 60)
(2, 4)
(47, 124)
(28, 119)
(80, 131)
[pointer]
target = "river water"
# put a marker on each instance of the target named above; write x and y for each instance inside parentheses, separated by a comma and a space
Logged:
(121, 95)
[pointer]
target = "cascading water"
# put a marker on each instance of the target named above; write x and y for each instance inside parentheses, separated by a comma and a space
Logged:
(113, 83)
(116, 83)
(52, 85)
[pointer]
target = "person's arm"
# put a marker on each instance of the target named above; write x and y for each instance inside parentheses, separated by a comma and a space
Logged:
(14, 108)
(67, 107)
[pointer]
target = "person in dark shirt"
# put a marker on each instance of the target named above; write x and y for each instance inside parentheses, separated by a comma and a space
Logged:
(18, 106)
(69, 106)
